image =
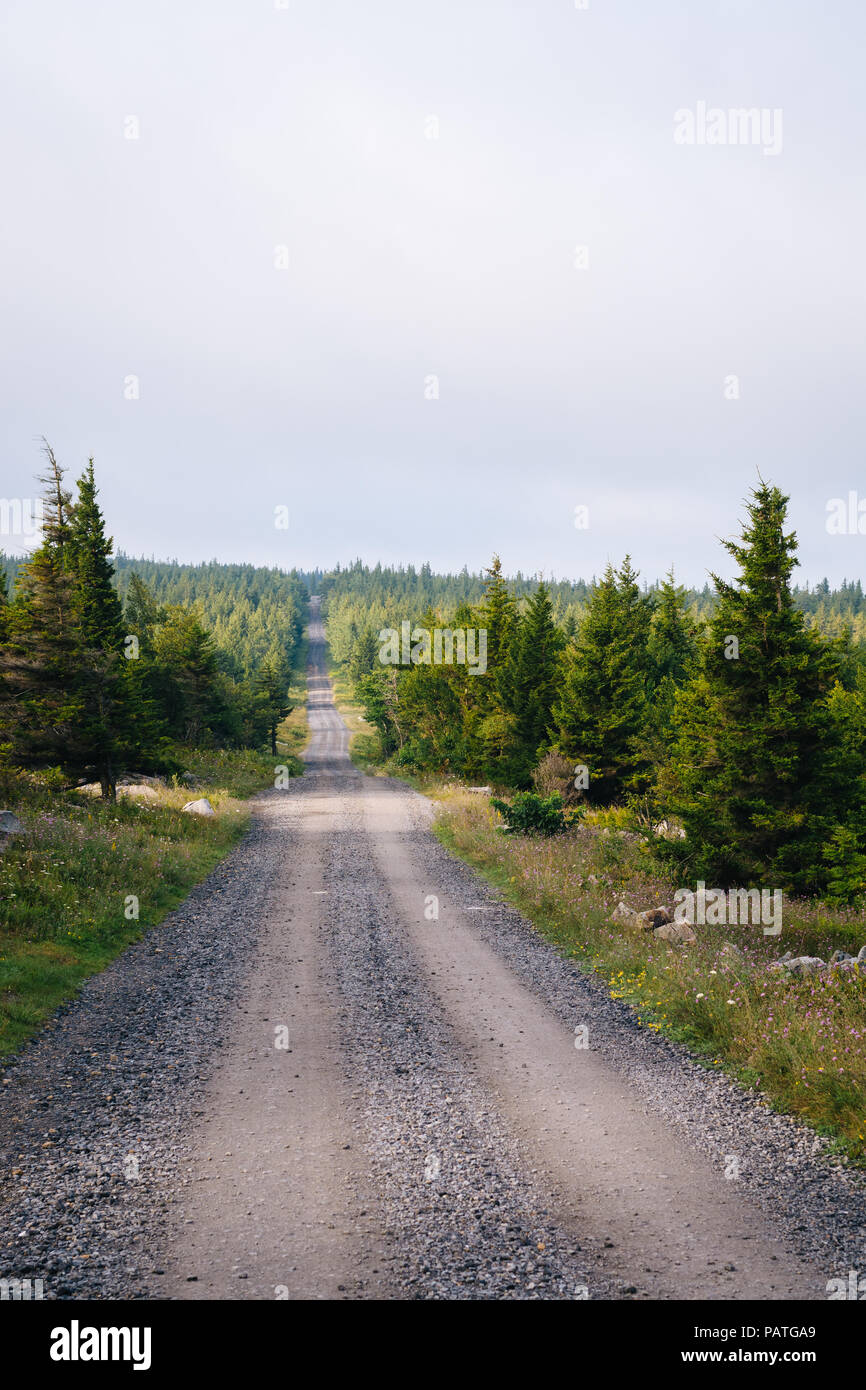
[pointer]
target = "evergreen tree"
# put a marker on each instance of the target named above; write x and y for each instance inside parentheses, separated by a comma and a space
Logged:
(672, 641)
(102, 736)
(757, 769)
(497, 614)
(272, 683)
(40, 661)
(533, 671)
(142, 614)
(194, 699)
(602, 706)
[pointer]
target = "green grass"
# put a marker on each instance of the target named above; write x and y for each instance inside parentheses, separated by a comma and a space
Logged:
(67, 883)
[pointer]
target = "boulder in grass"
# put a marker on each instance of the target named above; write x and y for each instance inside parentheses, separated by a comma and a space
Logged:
(677, 933)
(841, 958)
(656, 917)
(10, 824)
(202, 807)
(138, 791)
(627, 917)
(799, 966)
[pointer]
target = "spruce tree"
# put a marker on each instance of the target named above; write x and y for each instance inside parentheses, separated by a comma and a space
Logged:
(673, 640)
(602, 705)
(141, 614)
(103, 736)
(757, 769)
(533, 673)
(272, 681)
(40, 660)
(494, 729)
(497, 615)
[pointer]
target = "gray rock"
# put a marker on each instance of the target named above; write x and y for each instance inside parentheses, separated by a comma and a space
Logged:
(838, 956)
(10, 824)
(800, 966)
(138, 791)
(202, 807)
(677, 933)
(656, 917)
(628, 917)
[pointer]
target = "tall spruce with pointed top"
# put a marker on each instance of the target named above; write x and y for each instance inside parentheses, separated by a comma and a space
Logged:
(672, 639)
(40, 659)
(603, 694)
(272, 689)
(531, 681)
(498, 616)
(757, 770)
(103, 734)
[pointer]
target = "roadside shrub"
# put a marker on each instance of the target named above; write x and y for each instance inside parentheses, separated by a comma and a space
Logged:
(555, 773)
(531, 814)
(846, 881)
(614, 818)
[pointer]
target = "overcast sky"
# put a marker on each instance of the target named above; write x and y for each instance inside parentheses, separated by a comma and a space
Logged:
(329, 204)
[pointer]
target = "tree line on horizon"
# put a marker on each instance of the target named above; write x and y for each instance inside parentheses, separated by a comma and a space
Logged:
(102, 672)
(361, 596)
(744, 721)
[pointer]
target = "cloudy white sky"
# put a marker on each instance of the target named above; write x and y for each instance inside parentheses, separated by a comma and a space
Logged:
(308, 128)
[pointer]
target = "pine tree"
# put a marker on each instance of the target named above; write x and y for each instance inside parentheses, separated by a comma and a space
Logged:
(40, 660)
(602, 706)
(757, 769)
(673, 640)
(497, 615)
(142, 614)
(194, 699)
(103, 734)
(272, 681)
(56, 503)
(533, 673)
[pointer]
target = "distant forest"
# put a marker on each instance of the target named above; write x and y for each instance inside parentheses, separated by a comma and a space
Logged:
(360, 598)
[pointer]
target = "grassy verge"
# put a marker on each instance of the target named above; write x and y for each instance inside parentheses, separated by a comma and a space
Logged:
(72, 884)
(800, 1042)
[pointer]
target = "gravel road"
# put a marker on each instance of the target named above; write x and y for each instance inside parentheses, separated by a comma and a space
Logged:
(343, 1069)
